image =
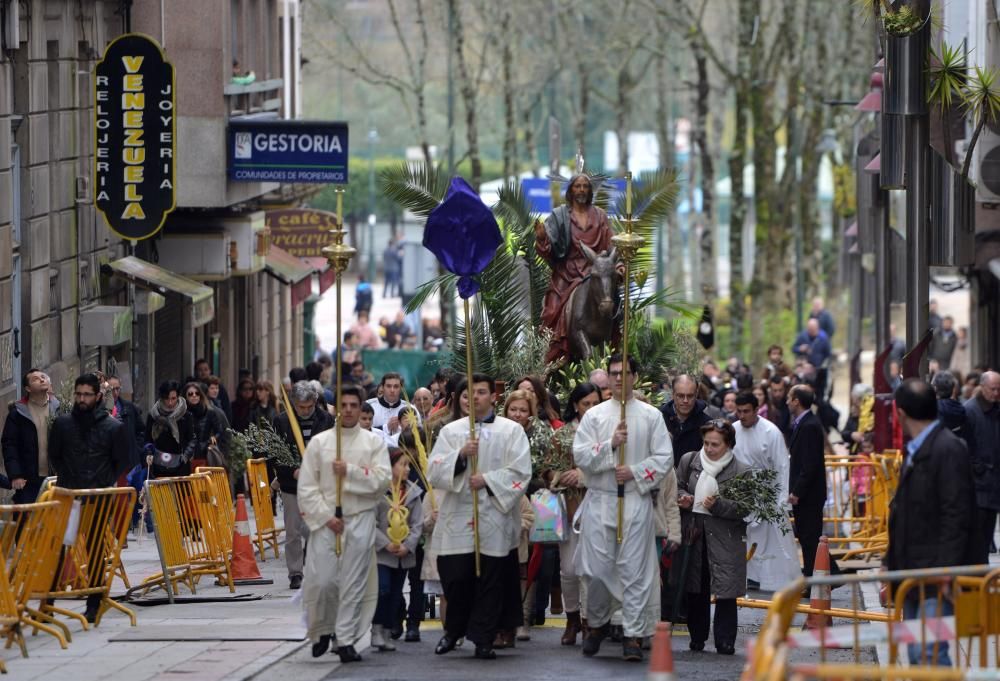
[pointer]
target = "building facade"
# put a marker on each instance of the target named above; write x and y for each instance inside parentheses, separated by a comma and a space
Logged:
(76, 297)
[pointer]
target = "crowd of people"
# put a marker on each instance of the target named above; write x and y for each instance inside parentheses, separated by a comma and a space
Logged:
(418, 495)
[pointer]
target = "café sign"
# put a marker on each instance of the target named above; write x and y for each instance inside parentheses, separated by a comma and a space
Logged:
(135, 136)
(302, 232)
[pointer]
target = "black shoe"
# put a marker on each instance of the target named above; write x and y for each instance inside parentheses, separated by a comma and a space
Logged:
(617, 633)
(412, 636)
(295, 582)
(632, 649)
(397, 631)
(348, 654)
(752, 585)
(725, 648)
(696, 646)
(445, 645)
(91, 613)
(321, 646)
(592, 643)
(485, 653)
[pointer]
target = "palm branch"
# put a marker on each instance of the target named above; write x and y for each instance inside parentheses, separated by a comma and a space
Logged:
(414, 186)
(653, 197)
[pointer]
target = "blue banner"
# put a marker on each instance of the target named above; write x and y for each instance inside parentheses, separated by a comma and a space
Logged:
(538, 191)
(287, 151)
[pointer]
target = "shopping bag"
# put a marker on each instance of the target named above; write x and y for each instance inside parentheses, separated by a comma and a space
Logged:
(550, 517)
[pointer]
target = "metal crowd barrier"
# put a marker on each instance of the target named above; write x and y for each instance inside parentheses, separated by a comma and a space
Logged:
(959, 606)
(31, 540)
(190, 526)
(260, 497)
(98, 527)
(223, 499)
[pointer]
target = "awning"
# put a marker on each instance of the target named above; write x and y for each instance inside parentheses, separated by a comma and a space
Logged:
(157, 279)
(290, 270)
(325, 273)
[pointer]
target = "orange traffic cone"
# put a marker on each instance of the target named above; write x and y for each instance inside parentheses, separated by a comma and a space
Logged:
(244, 565)
(661, 662)
(819, 596)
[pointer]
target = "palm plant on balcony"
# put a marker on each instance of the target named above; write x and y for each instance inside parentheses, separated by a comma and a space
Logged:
(981, 98)
(948, 75)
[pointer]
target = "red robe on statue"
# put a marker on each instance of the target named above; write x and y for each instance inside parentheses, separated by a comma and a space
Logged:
(569, 271)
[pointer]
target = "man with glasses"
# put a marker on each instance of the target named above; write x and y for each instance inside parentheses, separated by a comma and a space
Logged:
(684, 415)
(622, 574)
(128, 414)
(26, 436)
(88, 448)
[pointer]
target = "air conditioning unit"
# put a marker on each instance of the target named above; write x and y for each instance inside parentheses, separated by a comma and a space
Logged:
(986, 166)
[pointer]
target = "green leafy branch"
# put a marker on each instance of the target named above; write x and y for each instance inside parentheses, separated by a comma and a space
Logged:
(755, 494)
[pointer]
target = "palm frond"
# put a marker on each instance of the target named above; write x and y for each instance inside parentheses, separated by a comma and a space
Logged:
(669, 298)
(443, 284)
(653, 198)
(415, 187)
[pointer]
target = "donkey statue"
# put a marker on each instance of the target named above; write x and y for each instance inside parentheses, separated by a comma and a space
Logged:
(593, 310)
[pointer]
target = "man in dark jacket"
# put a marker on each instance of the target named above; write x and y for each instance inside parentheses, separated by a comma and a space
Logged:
(806, 473)
(128, 414)
(950, 411)
(26, 436)
(311, 421)
(931, 514)
(684, 415)
(88, 448)
(982, 435)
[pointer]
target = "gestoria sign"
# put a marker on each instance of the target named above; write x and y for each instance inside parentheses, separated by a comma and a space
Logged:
(302, 232)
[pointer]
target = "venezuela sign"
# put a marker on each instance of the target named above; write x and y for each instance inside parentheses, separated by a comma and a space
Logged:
(135, 136)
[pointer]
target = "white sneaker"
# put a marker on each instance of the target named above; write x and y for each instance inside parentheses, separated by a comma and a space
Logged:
(523, 634)
(379, 640)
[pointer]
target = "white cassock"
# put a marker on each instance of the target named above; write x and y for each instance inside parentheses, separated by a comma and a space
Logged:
(340, 592)
(622, 575)
(505, 463)
(775, 563)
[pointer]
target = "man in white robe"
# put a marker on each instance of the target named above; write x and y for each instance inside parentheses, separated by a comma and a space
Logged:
(340, 592)
(761, 446)
(479, 606)
(622, 575)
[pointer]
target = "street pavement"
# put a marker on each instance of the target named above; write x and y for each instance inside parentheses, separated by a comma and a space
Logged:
(237, 640)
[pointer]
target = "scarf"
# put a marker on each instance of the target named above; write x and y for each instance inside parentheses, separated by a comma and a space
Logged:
(163, 420)
(707, 485)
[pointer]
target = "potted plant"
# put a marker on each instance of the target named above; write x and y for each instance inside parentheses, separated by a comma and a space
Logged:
(907, 40)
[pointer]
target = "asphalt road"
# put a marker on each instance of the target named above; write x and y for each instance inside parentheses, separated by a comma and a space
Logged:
(540, 659)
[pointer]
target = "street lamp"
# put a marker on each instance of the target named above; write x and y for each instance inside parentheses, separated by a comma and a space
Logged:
(372, 139)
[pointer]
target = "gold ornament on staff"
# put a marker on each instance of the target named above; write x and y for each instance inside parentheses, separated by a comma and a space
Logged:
(627, 244)
(339, 256)
(472, 430)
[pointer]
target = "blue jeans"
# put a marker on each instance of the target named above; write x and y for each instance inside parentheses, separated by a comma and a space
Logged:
(390, 595)
(911, 611)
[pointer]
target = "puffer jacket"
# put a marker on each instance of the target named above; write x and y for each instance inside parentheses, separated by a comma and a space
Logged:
(88, 449)
(321, 420)
(723, 530)
(20, 441)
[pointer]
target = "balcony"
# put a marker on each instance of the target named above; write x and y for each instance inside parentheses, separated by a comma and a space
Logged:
(260, 97)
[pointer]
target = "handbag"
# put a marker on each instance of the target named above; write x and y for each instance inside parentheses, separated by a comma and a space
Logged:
(550, 524)
(214, 455)
(167, 460)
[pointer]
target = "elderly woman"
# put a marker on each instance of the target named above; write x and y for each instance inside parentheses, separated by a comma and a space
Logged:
(714, 533)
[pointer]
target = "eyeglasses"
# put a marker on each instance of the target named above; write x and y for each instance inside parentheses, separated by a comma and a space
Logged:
(84, 394)
(616, 374)
(117, 390)
(193, 395)
(719, 423)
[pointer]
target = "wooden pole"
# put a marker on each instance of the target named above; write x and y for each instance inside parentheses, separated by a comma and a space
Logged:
(474, 464)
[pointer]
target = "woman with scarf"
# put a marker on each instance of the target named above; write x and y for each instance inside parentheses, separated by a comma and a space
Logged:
(170, 431)
(265, 405)
(209, 423)
(714, 534)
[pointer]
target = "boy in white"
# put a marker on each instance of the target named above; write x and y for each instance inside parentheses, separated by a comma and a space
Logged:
(761, 446)
(622, 575)
(478, 606)
(340, 592)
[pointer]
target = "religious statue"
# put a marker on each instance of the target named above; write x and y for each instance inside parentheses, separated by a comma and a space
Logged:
(575, 241)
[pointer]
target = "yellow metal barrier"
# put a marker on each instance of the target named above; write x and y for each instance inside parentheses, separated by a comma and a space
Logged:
(99, 522)
(956, 607)
(31, 538)
(223, 500)
(190, 533)
(260, 497)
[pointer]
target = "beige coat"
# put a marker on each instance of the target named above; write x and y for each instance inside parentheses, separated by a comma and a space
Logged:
(667, 512)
